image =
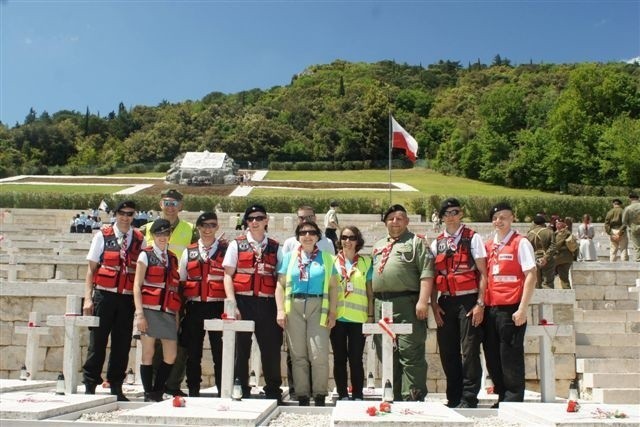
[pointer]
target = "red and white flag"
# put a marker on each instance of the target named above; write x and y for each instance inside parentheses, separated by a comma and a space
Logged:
(402, 139)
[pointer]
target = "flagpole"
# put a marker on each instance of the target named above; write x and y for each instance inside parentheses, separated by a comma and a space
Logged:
(390, 142)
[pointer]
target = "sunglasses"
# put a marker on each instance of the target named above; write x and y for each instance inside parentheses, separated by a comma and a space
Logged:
(452, 212)
(352, 238)
(167, 203)
(256, 218)
(126, 213)
(209, 225)
(308, 233)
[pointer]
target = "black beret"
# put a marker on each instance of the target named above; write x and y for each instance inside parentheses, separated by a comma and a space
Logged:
(160, 226)
(126, 204)
(502, 206)
(205, 216)
(539, 219)
(172, 193)
(448, 203)
(391, 209)
(254, 208)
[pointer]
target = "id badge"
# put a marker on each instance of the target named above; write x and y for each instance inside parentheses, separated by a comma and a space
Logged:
(260, 268)
(349, 287)
(495, 270)
(304, 278)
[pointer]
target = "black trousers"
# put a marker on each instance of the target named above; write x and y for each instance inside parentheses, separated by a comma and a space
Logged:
(333, 236)
(459, 345)
(263, 312)
(347, 342)
(192, 336)
(504, 352)
(116, 319)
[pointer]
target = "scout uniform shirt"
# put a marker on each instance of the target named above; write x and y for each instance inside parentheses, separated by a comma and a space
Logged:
(410, 260)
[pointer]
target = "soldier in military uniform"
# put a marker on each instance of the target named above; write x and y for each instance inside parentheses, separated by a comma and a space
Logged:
(631, 219)
(617, 232)
(543, 241)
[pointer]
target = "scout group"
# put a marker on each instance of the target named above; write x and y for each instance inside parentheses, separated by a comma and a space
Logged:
(160, 283)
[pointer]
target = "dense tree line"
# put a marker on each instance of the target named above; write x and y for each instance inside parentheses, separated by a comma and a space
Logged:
(533, 126)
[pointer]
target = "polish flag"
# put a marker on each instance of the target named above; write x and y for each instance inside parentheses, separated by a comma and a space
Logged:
(402, 139)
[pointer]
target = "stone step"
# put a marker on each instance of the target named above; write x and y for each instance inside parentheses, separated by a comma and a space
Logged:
(596, 351)
(600, 327)
(616, 395)
(612, 365)
(606, 315)
(625, 340)
(609, 380)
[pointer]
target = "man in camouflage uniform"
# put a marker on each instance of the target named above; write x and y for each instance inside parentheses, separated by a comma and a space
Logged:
(543, 241)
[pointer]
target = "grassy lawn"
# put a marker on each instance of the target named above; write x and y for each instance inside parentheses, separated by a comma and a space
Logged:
(426, 181)
(53, 188)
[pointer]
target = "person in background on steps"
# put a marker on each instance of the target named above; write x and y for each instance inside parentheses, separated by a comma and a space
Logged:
(631, 219)
(586, 233)
(109, 296)
(511, 270)
(157, 299)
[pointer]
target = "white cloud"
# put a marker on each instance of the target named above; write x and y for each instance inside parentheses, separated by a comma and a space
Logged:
(632, 60)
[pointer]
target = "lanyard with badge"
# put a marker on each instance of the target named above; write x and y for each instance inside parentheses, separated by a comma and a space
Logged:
(346, 274)
(495, 251)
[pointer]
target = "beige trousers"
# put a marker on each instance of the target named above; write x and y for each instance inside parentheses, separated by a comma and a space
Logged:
(308, 345)
(619, 245)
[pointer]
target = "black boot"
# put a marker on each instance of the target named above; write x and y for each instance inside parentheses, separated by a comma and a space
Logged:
(146, 376)
(116, 390)
(194, 392)
(303, 401)
(320, 400)
(161, 379)
(89, 388)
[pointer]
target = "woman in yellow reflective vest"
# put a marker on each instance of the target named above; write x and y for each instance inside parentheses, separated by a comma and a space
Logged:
(306, 300)
(355, 307)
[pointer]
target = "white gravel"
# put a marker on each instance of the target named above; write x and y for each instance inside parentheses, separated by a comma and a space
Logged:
(102, 417)
(323, 420)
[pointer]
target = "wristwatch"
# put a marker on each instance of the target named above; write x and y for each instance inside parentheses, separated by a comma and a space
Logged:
(480, 303)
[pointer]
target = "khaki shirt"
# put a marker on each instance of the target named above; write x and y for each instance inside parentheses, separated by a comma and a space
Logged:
(631, 215)
(410, 261)
(613, 220)
(543, 241)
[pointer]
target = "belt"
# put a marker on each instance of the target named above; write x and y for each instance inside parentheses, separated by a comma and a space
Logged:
(461, 293)
(391, 295)
(305, 296)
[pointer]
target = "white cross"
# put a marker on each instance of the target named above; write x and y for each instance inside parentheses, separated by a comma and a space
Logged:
(387, 342)
(229, 327)
(71, 320)
(33, 330)
(546, 298)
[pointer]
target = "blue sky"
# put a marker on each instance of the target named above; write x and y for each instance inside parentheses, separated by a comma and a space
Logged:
(72, 55)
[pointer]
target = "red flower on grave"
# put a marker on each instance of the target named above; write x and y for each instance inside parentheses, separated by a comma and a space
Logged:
(543, 322)
(387, 320)
(372, 411)
(573, 406)
(223, 316)
(179, 401)
(31, 324)
(385, 407)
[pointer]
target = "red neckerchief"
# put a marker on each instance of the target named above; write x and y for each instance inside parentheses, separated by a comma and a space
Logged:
(451, 239)
(346, 275)
(386, 251)
(302, 266)
(496, 247)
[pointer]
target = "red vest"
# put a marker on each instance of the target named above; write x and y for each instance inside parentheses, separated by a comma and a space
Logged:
(253, 276)
(160, 289)
(506, 287)
(461, 275)
(205, 279)
(115, 274)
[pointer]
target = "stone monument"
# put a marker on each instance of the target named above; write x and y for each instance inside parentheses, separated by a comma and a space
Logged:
(202, 168)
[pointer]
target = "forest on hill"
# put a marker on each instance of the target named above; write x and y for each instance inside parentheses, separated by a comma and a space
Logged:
(541, 126)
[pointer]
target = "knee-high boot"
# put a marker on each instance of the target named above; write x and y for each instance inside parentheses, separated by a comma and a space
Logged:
(146, 377)
(161, 378)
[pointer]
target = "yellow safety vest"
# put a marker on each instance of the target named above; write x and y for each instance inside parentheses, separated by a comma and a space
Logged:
(354, 307)
(327, 260)
(179, 240)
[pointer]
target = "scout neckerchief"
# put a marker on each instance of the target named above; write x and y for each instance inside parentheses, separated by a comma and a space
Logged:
(452, 238)
(346, 275)
(385, 252)
(302, 266)
(123, 247)
(497, 247)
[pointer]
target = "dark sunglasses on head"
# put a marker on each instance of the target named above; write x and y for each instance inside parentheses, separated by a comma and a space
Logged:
(209, 225)
(256, 218)
(126, 213)
(168, 203)
(452, 212)
(352, 238)
(308, 233)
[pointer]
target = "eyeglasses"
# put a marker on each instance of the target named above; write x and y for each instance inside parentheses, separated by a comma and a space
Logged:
(209, 225)
(352, 238)
(126, 213)
(308, 233)
(256, 218)
(452, 212)
(168, 203)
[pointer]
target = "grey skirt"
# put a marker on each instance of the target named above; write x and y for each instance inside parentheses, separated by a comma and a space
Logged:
(161, 325)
